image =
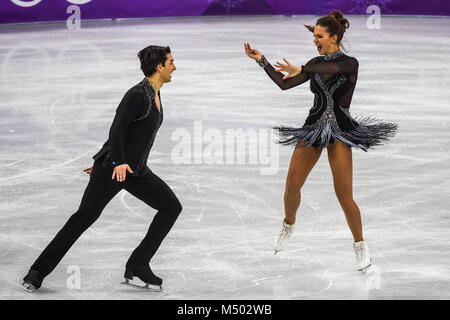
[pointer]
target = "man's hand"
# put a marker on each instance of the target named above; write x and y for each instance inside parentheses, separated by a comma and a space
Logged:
(120, 172)
(88, 170)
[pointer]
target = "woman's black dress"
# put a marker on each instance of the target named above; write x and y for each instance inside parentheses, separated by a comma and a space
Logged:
(332, 81)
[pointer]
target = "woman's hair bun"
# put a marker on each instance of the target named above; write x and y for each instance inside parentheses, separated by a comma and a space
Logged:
(340, 17)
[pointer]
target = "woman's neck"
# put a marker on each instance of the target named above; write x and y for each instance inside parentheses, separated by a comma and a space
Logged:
(332, 50)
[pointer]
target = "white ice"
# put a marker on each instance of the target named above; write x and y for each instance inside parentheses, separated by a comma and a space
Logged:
(59, 90)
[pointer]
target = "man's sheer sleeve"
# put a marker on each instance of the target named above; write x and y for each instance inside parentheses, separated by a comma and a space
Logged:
(128, 110)
(349, 66)
(288, 83)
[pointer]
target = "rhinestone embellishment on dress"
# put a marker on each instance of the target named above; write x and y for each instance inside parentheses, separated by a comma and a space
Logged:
(332, 55)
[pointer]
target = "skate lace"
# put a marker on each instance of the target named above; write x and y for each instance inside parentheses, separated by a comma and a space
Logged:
(360, 253)
(285, 232)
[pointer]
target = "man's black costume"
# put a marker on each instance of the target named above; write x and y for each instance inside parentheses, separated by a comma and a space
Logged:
(130, 139)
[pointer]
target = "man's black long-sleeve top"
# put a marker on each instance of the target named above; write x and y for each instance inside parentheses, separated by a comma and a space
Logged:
(133, 129)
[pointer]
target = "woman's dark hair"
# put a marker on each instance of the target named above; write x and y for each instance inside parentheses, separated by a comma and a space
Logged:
(335, 24)
(151, 57)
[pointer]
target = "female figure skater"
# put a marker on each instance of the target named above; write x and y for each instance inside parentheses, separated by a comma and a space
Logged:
(332, 77)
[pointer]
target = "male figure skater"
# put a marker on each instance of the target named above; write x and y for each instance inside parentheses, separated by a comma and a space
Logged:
(122, 164)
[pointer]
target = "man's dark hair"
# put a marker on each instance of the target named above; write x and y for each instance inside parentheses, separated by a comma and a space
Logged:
(151, 57)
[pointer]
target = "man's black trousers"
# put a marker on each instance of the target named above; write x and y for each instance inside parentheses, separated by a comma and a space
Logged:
(147, 187)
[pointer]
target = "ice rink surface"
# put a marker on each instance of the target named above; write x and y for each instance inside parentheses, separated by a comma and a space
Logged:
(59, 91)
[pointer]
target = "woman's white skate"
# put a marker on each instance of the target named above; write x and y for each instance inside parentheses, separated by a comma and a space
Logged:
(284, 235)
(362, 256)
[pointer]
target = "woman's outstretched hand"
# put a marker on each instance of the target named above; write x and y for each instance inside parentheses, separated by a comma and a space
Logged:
(252, 53)
(289, 68)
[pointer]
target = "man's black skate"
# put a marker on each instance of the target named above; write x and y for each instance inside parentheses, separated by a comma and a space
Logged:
(145, 274)
(32, 281)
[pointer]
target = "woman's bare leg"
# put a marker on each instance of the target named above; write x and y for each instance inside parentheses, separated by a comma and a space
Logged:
(340, 158)
(302, 161)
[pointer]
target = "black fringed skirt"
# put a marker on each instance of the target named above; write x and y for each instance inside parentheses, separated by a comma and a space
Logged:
(362, 133)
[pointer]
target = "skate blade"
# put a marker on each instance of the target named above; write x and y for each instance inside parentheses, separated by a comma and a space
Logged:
(365, 269)
(146, 286)
(28, 287)
(279, 247)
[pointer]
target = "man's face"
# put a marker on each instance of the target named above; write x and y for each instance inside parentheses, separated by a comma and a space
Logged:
(168, 68)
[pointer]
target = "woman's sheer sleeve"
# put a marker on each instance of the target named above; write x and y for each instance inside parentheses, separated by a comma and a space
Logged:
(348, 66)
(277, 77)
(128, 110)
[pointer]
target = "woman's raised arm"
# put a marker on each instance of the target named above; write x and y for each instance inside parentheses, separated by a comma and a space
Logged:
(349, 66)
